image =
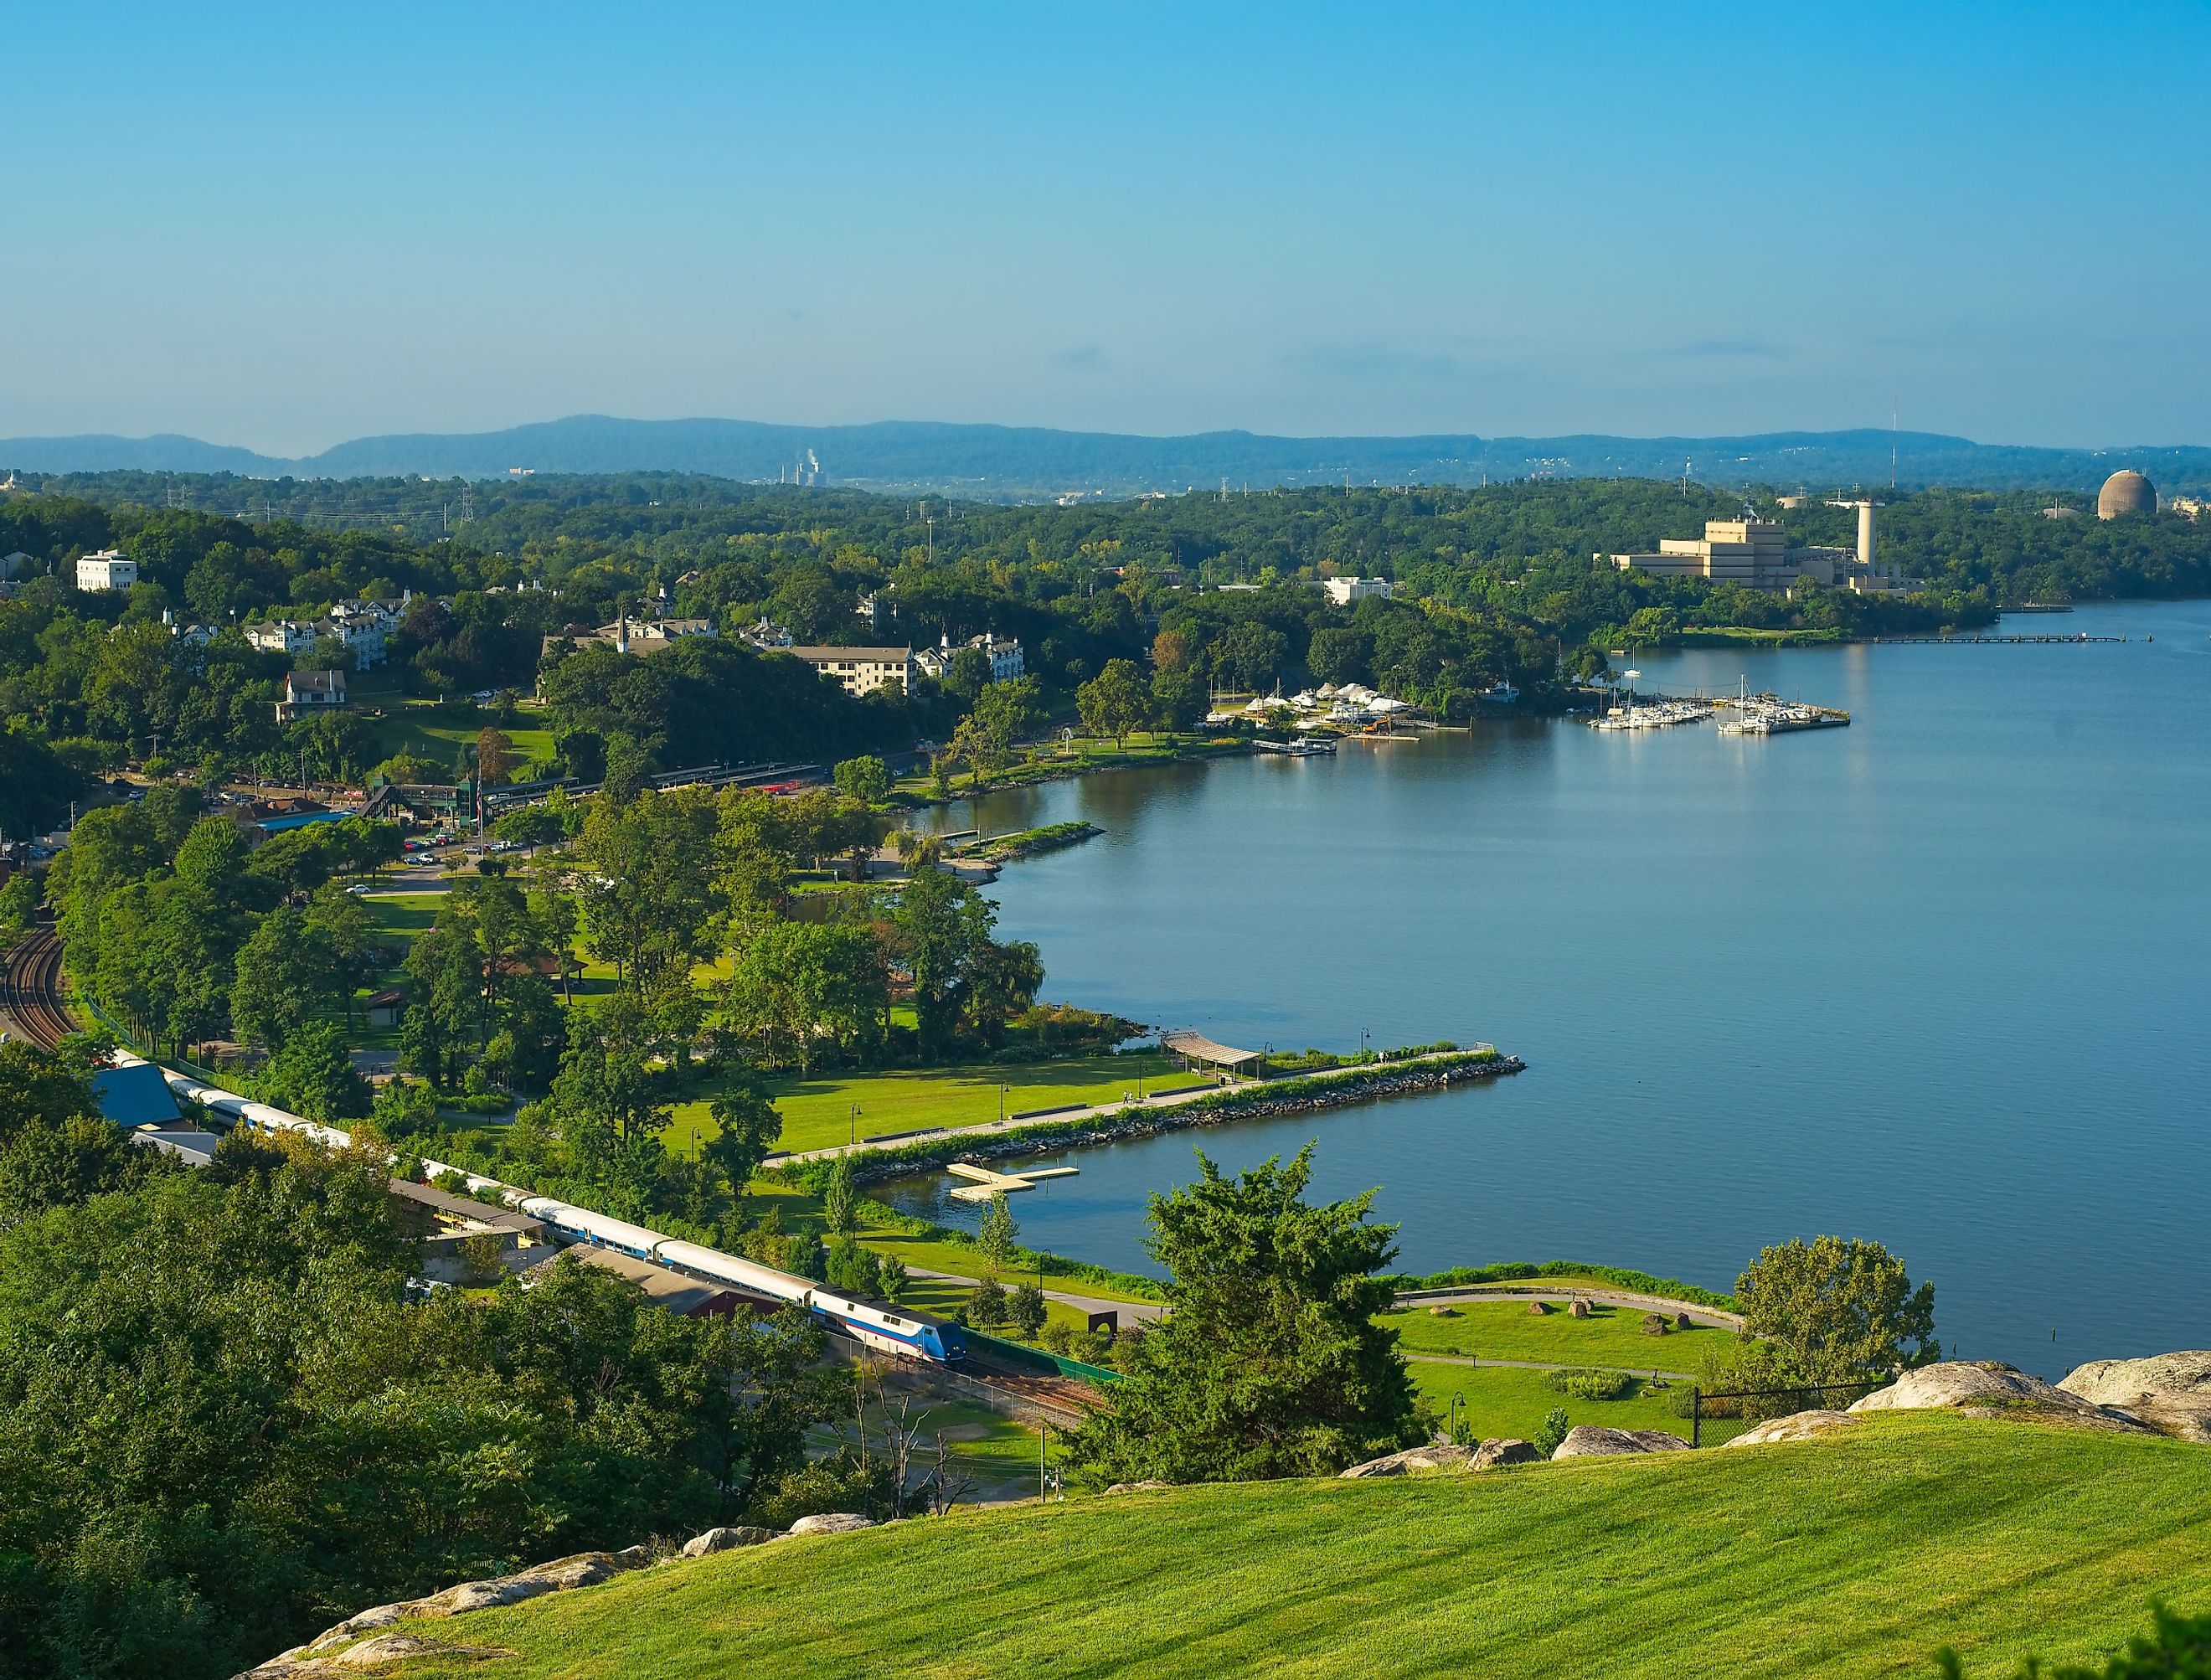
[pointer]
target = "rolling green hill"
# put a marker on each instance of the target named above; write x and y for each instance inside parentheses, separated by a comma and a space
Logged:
(1855, 1554)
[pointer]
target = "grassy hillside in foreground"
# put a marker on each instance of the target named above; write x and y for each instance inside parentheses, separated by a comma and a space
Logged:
(1854, 1555)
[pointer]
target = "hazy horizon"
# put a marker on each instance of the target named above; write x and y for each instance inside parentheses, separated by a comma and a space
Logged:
(283, 230)
(323, 446)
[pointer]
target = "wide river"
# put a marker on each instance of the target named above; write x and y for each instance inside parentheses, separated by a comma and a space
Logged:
(1941, 978)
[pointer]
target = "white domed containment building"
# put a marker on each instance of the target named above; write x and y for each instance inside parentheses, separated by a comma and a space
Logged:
(2125, 492)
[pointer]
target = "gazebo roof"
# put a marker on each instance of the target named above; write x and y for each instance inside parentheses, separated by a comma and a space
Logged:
(1200, 1048)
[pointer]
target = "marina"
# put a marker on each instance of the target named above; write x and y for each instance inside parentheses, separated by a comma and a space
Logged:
(1740, 714)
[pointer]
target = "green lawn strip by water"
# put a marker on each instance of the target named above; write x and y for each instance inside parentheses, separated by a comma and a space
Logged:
(1610, 1336)
(1500, 1400)
(1852, 1557)
(801, 1211)
(817, 1111)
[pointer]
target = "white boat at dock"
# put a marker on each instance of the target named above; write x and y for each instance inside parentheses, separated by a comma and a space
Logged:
(1659, 714)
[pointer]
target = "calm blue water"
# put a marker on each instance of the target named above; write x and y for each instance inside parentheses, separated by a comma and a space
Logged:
(1940, 979)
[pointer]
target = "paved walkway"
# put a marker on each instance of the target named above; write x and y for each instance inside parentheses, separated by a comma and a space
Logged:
(1097, 1111)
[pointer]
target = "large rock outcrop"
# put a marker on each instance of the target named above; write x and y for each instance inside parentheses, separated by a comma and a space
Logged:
(1993, 1391)
(584, 1569)
(1497, 1450)
(725, 1539)
(1443, 1455)
(1797, 1426)
(1592, 1441)
(1436, 1455)
(370, 1655)
(832, 1522)
(2169, 1391)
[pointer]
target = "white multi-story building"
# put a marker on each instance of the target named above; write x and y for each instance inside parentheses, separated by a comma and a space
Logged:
(1345, 591)
(363, 626)
(106, 570)
(1004, 653)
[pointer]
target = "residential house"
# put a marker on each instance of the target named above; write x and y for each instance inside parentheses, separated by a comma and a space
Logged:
(310, 691)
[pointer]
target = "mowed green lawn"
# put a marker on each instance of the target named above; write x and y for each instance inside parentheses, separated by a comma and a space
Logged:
(1611, 1335)
(1502, 1400)
(435, 730)
(817, 1113)
(1854, 1556)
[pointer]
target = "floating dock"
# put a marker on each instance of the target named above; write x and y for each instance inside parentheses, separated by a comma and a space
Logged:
(1763, 718)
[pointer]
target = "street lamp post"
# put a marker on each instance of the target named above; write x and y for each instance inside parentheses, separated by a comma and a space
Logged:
(852, 1130)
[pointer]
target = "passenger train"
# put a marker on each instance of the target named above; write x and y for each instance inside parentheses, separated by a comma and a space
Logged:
(906, 1334)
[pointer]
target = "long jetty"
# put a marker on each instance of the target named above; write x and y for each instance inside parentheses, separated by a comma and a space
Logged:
(1199, 1105)
(2000, 641)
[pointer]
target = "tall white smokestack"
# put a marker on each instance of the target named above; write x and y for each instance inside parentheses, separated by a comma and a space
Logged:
(1865, 536)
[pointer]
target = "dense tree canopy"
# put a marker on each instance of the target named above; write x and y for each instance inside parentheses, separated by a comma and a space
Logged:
(225, 1421)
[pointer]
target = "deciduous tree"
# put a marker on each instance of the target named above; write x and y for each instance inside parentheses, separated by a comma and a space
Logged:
(1839, 1308)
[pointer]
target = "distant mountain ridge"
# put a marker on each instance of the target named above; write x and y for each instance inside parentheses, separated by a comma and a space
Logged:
(1007, 462)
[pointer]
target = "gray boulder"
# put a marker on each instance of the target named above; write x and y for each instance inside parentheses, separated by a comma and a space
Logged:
(583, 1569)
(725, 1539)
(381, 1651)
(1501, 1450)
(832, 1522)
(1592, 1441)
(1146, 1486)
(1436, 1455)
(1992, 1390)
(392, 1647)
(2170, 1393)
(1797, 1426)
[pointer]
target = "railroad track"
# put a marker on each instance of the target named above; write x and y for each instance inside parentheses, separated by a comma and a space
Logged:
(31, 989)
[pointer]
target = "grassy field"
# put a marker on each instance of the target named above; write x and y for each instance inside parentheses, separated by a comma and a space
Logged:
(817, 1113)
(1855, 1556)
(1506, 1330)
(437, 730)
(1500, 1400)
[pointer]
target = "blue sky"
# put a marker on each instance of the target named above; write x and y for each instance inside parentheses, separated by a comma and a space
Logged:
(282, 227)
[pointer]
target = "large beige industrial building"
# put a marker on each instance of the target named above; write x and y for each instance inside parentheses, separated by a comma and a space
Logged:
(1754, 553)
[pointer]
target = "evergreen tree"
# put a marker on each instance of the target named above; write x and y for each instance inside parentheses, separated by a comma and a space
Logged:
(1268, 1361)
